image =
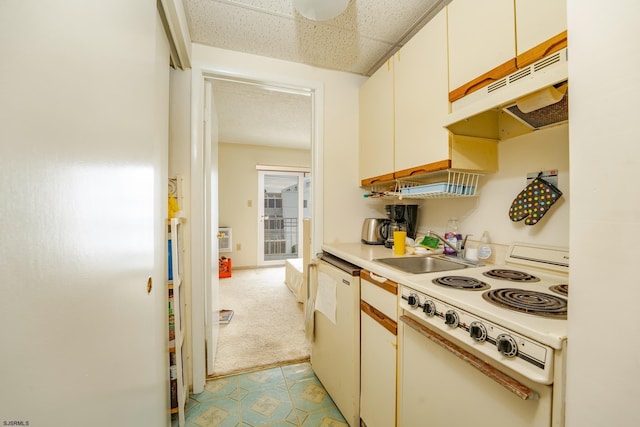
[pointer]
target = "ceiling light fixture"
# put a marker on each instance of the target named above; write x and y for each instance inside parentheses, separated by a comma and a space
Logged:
(320, 10)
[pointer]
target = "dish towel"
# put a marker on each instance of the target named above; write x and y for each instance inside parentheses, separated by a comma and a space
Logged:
(534, 201)
(326, 296)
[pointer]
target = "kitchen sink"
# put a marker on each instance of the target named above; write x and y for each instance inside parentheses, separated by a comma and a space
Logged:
(424, 264)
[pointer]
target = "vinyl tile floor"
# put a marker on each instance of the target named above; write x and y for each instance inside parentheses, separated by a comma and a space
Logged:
(288, 395)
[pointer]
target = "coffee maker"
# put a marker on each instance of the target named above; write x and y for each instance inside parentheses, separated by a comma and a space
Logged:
(401, 218)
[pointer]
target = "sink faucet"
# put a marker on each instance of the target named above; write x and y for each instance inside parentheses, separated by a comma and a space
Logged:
(443, 240)
(460, 254)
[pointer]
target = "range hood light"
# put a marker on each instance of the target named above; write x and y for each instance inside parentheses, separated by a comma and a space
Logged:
(542, 98)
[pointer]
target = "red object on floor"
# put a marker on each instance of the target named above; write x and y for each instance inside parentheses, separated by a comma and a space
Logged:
(224, 267)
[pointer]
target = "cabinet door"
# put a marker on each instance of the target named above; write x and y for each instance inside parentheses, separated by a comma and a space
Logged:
(378, 374)
(376, 124)
(541, 26)
(538, 21)
(481, 39)
(421, 97)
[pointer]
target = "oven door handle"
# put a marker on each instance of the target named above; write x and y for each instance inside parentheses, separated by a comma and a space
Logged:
(511, 384)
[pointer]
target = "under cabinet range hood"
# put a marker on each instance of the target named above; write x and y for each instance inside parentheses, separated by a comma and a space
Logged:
(532, 98)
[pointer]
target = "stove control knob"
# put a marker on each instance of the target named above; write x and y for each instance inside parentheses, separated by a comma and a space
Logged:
(413, 300)
(478, 331)
(507, 345)
(451, 318)
(429, 308)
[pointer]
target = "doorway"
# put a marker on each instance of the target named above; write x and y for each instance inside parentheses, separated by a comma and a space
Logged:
(311, 89)
(283, 202)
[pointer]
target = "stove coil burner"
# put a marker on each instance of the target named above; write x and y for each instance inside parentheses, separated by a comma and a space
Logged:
(562, 289)
(461, 282)
(511, 275)
(530, 302)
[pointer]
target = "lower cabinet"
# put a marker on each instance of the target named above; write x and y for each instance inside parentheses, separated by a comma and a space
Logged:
(378, 350)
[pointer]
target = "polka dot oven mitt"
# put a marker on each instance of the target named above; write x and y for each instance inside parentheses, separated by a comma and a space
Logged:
(534, 201)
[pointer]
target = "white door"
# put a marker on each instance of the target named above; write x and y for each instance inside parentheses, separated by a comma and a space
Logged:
(84, 145)
(204, 244)
(211, 228)
(283, 202)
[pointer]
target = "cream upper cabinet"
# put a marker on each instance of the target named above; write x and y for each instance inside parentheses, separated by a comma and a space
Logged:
(421, 103)
(376, 125)
(538, 21)
(491, 39)
(403, 107)
(481, 38)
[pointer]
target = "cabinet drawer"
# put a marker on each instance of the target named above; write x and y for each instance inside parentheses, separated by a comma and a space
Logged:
(380, 294)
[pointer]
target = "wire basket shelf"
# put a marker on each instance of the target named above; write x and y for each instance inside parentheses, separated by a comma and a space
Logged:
(454, 184)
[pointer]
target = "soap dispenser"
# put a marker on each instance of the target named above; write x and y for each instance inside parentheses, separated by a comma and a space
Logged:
(484, 250)
(451, 236)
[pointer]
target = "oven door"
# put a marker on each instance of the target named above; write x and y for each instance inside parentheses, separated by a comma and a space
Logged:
(443, 384)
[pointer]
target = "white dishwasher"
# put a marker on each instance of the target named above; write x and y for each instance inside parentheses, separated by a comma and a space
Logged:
(335, 350)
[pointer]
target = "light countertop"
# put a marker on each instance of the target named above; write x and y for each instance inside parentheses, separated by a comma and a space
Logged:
(364, 255)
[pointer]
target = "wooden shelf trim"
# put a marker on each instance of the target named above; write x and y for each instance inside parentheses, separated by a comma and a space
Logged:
(405, 173)
(380, 179)
(483, 80)
(534, 54)
(546, 48)
(424, 169)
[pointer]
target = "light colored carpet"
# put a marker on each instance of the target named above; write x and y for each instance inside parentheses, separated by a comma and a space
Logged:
(267, 328)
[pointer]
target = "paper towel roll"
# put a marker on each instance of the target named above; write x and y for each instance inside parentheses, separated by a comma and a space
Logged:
(542, 98)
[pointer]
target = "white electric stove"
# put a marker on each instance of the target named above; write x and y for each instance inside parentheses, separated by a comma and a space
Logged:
(514, 313)
(492, 336)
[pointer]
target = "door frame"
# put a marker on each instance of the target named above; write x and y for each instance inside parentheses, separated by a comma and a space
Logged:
(199, 171)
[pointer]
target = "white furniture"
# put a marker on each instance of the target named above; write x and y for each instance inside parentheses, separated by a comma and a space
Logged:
(335, 350)
(294, 277)
(176, 321)
(378, 350)
(296, 270)
(225, 239)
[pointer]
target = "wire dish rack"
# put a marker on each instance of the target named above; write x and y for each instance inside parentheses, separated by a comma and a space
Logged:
(453, 184)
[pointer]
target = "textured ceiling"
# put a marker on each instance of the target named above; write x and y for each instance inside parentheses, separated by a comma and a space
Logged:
(256, 115)
(358, 41)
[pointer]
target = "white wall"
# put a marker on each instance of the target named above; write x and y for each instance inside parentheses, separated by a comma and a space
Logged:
(340, 141)
(239, 185)
(604, 332)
